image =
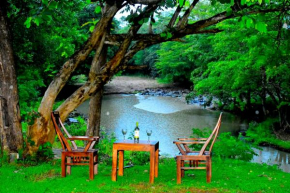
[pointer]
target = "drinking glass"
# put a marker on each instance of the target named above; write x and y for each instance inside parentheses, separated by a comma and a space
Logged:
(149, 132)
(124, 131)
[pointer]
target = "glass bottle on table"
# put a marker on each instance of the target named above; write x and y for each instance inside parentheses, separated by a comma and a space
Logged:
(136, 133)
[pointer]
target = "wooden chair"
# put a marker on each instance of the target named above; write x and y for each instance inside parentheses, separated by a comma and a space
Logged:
(196, 158)
(74, 155)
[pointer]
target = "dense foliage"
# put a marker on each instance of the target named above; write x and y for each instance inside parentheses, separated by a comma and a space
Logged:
(243, 70)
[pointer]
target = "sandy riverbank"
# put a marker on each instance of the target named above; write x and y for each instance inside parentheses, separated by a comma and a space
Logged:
(130, 84)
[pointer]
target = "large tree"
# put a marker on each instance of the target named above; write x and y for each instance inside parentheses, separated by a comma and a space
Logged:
(128, 45)
(10, 127)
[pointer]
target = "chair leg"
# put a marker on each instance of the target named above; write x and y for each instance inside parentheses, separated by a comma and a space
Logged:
(68, 168)
(96, 164)
(91, 166)
(178, 171)
(63, 167)
(196, 163)
(208, 169)
(182, 170)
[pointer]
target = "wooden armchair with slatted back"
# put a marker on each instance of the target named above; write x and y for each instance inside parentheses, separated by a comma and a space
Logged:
(196, 158)
(75, 155)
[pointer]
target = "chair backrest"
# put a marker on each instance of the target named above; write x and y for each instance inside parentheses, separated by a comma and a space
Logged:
(57, 125)
(212, 138)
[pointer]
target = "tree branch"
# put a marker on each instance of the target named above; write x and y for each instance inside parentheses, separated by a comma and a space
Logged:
(174, 17)
(69, 66)
(93, 85)
(183, 21)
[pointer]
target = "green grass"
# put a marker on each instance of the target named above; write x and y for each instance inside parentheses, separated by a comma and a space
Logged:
(227, 176)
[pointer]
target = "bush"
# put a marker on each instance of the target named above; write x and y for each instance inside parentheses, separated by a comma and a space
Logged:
(43, 154)
(263, 132)
(105, 146)
(232, 147)
(79, 128)
(260, 132)
(226, 146)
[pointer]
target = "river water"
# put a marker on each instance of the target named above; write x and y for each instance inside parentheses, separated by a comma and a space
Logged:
(170, 118)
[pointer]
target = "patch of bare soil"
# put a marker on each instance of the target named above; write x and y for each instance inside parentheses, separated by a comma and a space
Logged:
(129, 84)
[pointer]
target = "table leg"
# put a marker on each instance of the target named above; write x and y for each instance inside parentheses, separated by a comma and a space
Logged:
(121, 162)
(152, 165)
(114, 165)
(156, 163)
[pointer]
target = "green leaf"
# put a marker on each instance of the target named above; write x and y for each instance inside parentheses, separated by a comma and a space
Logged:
(45, 2)
(98, 9)
(92, 28)
(261, 27)
(37, 20)
(168, 35)
(88, 1)
(181, 3)
(229, 11)
(260, 1)
(53, 5)
(163, 34)
(61, 44)
(141, 21)
(187, 4)
(267, 1)
(249, 22)
(27, 23)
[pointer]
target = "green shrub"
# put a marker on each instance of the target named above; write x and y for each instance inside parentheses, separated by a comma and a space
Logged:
(3, 157)
(43, 154)
(137, 157)
(260, 133)
(226, 146)
(105, 146)
(79, 128)
(199, 133)
(232, 147)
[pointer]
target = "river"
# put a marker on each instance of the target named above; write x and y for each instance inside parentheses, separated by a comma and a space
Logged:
(170, 118)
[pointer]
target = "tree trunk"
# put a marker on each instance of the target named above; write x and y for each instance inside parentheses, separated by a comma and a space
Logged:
(284, 114)
(95, 108)
(10, 121)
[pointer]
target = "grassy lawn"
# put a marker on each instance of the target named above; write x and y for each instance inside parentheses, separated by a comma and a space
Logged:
(227, 176)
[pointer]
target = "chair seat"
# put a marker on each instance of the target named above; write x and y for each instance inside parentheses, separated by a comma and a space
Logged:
(197, 153)
(81, 150)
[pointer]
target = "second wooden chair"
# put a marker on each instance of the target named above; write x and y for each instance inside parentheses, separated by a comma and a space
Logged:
(74, 155)
(196, 158)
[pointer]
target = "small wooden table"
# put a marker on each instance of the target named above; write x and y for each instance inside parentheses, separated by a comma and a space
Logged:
(120, 146)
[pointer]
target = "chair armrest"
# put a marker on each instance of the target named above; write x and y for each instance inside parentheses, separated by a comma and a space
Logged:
(86, 138)
(188, 142)
(194, 139)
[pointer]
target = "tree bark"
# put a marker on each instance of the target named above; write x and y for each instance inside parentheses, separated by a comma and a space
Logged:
(10, 121)
(95, 105)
